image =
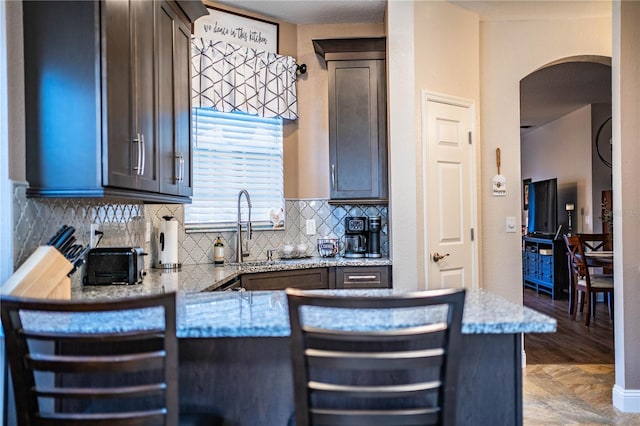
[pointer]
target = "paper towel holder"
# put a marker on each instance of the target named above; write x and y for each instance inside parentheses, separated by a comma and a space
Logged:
(168, 244)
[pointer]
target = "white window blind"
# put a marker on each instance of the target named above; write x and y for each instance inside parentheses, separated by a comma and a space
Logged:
(234, 151)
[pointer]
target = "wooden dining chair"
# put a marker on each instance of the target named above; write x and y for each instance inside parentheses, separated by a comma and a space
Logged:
(352, 366)
(80, 363)
(598, 242)
(585, 286)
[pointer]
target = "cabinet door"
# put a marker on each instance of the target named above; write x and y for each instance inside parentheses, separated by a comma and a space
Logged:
(82, 124)
(363, 277)
(316, 278)
(357, 129)
(128, 107)
(174, 102)
(118, 148)
(144, 83)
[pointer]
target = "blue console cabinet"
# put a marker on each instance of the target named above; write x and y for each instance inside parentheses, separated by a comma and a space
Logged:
(544, 266)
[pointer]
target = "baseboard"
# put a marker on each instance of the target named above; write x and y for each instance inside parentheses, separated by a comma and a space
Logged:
(626, 400)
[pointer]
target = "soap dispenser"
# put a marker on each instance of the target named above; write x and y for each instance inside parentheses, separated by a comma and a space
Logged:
(218, 251)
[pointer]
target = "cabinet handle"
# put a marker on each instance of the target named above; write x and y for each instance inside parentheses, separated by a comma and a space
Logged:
(361, 277)
(143, 155)
(180, 170)
(333, 176)
(138, 165)
(176, 168)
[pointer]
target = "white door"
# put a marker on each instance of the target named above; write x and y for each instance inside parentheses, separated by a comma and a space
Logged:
(449, 192)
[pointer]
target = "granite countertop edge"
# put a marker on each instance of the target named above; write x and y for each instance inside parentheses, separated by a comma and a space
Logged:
(204, 312)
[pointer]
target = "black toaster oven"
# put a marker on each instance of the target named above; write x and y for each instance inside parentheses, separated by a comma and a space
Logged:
(114, 265)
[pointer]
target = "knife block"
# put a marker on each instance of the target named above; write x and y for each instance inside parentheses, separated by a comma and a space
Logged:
(42, 276)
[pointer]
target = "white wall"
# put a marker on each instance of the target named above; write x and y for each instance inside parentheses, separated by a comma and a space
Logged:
(562, 149)
(433, 46)
(450, 59)
(508, 52)
(5, 188)
(401, 100)
(447, 61)
(6, 254)
(626, 203)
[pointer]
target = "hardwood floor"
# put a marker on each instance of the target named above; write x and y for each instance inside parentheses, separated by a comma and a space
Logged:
(573, 342)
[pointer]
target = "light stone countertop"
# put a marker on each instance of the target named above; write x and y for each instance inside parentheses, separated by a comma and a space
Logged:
(208, 277)
(205, 313)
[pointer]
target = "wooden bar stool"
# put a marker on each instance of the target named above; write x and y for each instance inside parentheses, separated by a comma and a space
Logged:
(382, 376)
(81, 363)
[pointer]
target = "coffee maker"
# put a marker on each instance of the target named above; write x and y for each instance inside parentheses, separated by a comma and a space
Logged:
(355, 236)
(373, 239)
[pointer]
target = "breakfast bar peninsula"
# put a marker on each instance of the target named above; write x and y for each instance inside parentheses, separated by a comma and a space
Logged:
(234, 347)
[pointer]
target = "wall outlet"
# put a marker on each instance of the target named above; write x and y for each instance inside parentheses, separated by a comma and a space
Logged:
(147, 232)
(310, 227)
(93, 238)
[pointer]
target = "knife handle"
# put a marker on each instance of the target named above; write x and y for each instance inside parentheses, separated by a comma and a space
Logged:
(59, 242)
(66, 245)
(57, 235)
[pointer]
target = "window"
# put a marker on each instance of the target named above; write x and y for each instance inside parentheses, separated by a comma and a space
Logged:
(234, 151)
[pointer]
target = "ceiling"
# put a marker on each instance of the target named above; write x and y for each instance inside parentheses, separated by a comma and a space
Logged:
(557, 90)
(315, 11)
(521, 10)
(546, 94)
(362, 11)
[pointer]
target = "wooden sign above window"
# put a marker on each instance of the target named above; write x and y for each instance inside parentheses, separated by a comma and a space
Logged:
(237, 29)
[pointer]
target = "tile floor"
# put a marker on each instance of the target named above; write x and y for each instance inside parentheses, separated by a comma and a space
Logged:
(571, 394)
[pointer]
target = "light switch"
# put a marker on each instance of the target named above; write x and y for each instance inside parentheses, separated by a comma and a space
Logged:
(511, 224)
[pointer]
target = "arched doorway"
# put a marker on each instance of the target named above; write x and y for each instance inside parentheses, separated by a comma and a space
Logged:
(564, 105)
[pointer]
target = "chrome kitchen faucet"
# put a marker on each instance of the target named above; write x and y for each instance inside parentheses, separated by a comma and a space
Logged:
(240, 253)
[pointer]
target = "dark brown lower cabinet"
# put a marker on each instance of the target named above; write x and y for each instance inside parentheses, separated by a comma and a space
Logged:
(363, 277)
(340, 277)
(315, 278)
(248, 380)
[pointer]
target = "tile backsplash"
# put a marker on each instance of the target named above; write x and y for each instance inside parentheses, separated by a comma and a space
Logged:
(197, 247)
(125, 222)
(36, 220)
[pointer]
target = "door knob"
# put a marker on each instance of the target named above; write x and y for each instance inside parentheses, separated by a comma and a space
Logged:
(437, 257)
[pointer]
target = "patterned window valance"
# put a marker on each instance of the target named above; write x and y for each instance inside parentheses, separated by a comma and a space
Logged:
(231, 78)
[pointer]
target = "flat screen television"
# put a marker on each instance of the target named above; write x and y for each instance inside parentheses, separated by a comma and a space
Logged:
(543, 208)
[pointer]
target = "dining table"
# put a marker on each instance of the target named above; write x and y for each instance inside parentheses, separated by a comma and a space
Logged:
(599, 258)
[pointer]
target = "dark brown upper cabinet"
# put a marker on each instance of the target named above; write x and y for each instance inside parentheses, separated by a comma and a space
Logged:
(357, 118)
(174, 102)
(107, 98)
